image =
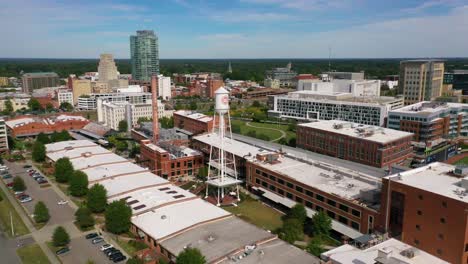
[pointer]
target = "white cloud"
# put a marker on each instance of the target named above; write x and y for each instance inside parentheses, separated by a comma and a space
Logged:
(223, 37)
(243, 16)
(302, 4)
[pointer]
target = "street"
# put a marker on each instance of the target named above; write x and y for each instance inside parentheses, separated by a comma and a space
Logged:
(81, 249)
(8, 250)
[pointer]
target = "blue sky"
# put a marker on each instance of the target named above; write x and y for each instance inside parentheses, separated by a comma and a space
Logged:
(237, 28)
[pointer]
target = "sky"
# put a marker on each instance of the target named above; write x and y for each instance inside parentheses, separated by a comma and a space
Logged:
(236, 28)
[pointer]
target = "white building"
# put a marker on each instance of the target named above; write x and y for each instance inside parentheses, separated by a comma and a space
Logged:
(90, 102)
(111, 113)
(164, 87)
(353, 87)
(65, 96)
(271, 83)
(311, 105)
(131, 89)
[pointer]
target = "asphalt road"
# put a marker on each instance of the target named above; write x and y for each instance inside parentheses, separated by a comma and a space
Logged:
(81, 249)
(8, 250)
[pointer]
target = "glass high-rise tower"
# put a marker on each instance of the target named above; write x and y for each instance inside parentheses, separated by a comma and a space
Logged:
(144, 54)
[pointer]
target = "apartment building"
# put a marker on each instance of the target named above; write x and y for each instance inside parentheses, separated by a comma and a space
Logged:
(38, 80)
(3, 137)
(421, 80)
(89, 102)
(144, 53)
(192, 122)
(65, 96)
(370, 145)
(310, 105)
(427, 207)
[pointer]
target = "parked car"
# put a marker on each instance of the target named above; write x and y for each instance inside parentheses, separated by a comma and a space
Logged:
(91, 235)
(119, 259)
(97, 240)
(106, 251)
(30, 170)
(114, 253)
(36, 175)
(62, 202)
(27, 166)
(62, 251)
(115, 256)
(7, 176)
(41, 180)
(25, 199)
(106, 246)
(19, 193)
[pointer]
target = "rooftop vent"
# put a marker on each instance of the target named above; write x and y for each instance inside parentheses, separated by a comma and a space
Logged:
(163, 217)
(210, 238)
(409, 253)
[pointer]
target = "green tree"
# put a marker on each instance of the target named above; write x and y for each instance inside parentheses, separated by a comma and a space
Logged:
(193, 105)
(298, 212)
(118, 215)
(292, 142)
(292, 230)
(41, 213)
(167, 122)
(63, 170)
(97, 198)
(190, 256)
(38, 152)
(8, 107)
(84, 217)
(315, 246)
(321, 224)
(43, 138)
(18, 184)
(256, 104)
(66, 106)
(259, 116)
(60, 237)
(121, 145)
(236, 128)
(203, 173)
(136, 260)
(49, 107)
(78, 183)
(34, 105)
(123, 126)
(60, 136)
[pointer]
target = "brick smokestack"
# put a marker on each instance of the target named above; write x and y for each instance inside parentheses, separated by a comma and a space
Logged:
(154, 95)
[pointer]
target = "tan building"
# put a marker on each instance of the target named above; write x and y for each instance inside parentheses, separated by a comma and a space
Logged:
(271, 83)
(4, 81)
(101, 87)
(107, 68)
(81, 87)
(421, 80)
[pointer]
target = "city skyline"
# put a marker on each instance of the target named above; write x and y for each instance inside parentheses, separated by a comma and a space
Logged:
(237, 29)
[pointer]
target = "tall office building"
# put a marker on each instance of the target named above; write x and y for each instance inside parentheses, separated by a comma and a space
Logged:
(421, 80)
(107, 68)
(144, 53)
(37, 80)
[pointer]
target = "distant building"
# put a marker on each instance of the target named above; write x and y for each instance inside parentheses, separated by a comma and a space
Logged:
(271, 83)
(107, 68)
(211, 86)
(310, 105)
(164, 87)
(421, 80)
(99, 87)
(262, 93)
(19, 101)
(38, 80)
(192, 122)
(391, 251)
(81, 88)
(3, 137)
(65, 96)
(284, 75)
(144, 53)
(4, 81)
(89, 102)
(426, 207)
(357, 76)
(375, 146)
(27, 126)
(460, 81)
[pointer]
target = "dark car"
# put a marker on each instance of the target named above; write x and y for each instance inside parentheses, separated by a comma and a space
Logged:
(27, 166)
(119, 258)
(62, 251)
(113, 252)
(97, 240)
(41, 180)
(115, 255)
(107, 251)
(91, 235)
(7, 176)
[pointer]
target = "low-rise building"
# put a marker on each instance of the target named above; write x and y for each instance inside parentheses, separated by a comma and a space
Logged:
(4, 81)
(427, 208)
(169, 219)
(310, 105)
(370, 145)
(192, 122)
(27, 126)
(19, 101)
(89, 102)
(286, 75)
(271, 83)
(65, 96)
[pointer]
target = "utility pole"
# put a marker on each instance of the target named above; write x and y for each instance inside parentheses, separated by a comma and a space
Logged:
(12, 226)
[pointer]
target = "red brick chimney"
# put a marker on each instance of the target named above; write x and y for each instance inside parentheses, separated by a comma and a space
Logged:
(154, 95)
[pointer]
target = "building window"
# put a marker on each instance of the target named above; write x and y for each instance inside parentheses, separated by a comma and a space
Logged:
(273, 188)
(420, 197)
(290, 185)
(299, 199)
(439, 251)
(264, 184)
(444, 204)
(442, 220)
(343, 220)
(309, 204)
(418, 227)
(331, 202)
(419, 212)
(331, 214)
(319, 197)
(280, 191)
(272, 178)
(344, 208)
(299, 189)
(356, 213)
(309, 193)
(416, 242)
(355, 225)
(280, 181)
(257, 181)
(318, 208)
(440, 236)
(289, 195)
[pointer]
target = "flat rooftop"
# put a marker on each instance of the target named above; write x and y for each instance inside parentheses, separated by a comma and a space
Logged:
(393, 248)
(367, 132)
(426, 108)
(119, 185)
(341, 97)
(194, 115)
(433, 178)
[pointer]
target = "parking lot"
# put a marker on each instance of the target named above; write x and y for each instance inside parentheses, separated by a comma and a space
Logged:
(82, 249)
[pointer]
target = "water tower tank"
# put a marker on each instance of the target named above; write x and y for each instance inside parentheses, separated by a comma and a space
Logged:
(222, 100)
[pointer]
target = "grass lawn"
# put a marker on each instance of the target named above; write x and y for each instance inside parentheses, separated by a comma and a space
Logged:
(32, 254)
(463, 161)
(255, 212)
(5, 208)
(244, 129)
(132, 246)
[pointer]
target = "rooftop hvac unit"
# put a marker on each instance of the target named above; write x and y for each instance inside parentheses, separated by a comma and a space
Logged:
(409, 253)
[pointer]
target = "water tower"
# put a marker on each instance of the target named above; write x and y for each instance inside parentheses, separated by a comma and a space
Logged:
(222, 172)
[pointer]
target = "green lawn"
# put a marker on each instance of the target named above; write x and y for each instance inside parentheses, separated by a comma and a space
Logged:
(268, 131)
(5, 208)
(132, 246)
(32, 254)
(463, 161)
(257, 213)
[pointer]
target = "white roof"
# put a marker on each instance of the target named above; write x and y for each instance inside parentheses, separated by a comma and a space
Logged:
(393, 249)
(168, 220)
(427, 108)
(72, 143)
(72, 153)
(433, 178)
(120, 185)
(233, 146)
(101, 172)
(22, 121)
(141, 200)
(63, 118)
(194, 115)
(370, 133)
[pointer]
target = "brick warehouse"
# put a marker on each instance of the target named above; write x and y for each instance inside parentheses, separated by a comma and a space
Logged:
(192, 122)
(30, 126)
(374, 146)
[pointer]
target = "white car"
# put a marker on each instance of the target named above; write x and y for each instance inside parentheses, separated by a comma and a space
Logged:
(106, 246)
(26, 199)
(62, 202)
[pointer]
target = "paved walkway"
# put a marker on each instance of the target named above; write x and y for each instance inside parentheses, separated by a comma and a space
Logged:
(283, 134)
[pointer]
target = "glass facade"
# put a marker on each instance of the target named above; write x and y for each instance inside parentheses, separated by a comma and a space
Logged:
(144, 54)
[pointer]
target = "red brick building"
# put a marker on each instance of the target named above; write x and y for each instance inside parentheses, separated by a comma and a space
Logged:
(170, 160)
(427, 208)
(192, 122)
(32, 125)
(374, 146)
